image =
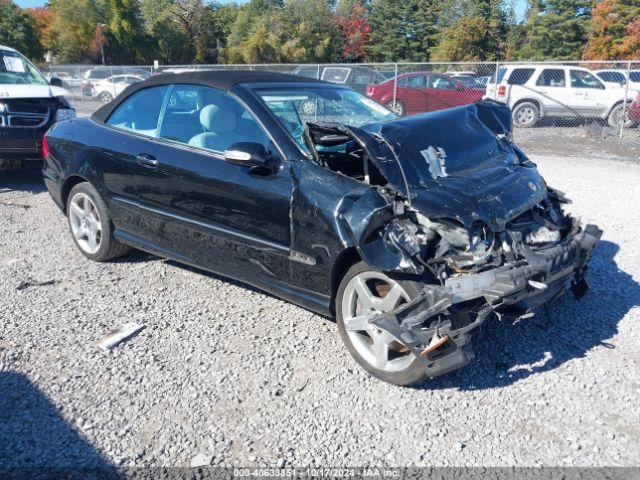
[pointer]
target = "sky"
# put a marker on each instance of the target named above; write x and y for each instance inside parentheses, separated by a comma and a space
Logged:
(520, 4)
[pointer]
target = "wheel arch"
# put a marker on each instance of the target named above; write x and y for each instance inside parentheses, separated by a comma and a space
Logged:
(345, 260)
(529, 100)
(69, 182)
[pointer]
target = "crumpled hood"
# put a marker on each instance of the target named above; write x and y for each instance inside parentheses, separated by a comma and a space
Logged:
(30, 91)
(458, 163)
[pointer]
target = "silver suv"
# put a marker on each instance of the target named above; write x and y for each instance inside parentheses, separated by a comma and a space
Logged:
(537, 91)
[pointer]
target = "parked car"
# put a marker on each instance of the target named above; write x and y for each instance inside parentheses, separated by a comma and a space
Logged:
(634, 109)
(355, 77)
(537, 91)
(68, 80)
(109, 88)
(100, 73)
(619, 77)
(29, 105)
(317, 194)
(419, 92)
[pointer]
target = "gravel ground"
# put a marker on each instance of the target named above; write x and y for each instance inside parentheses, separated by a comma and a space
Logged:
(242, 378)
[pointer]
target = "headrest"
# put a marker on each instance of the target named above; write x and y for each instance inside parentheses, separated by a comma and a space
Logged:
(216, 119)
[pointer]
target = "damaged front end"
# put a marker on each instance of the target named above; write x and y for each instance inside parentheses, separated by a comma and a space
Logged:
(456, 204)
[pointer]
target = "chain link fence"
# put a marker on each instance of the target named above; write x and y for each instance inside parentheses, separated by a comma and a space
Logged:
(601, 96)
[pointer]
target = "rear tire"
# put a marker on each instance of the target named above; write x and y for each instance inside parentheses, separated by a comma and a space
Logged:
(526, 115)
(399, 108)
(90, 225)
(105, 97)
(401, 366)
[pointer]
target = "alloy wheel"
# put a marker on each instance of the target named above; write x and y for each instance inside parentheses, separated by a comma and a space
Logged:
(369, 294)
(85, 223)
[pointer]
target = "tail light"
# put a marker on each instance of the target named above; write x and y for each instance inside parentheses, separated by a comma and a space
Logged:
(502, 91)
(369, 91)
(45, 148)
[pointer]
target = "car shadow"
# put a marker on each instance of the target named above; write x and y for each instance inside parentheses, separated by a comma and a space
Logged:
(27, 180)
(36, 442)
(567, 329)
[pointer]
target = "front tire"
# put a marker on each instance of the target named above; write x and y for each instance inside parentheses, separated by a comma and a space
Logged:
(526, 115)
(615, 119)
(90, 225)
(363, 293)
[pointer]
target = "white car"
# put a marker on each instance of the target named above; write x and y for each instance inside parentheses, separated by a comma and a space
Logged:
(536, 91)
(619, 77)
(109, 88)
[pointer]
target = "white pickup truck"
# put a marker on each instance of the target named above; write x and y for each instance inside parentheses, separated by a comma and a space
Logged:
(536, 91)
(29, 105)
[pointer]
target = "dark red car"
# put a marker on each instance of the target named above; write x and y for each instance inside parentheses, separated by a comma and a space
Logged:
(634, 110)
(419, 92)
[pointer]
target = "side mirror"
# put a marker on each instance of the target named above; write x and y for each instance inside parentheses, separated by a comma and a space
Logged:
(249, 154)
(55, 82)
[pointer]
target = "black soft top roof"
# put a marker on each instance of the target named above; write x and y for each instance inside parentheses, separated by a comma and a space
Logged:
(221, 79)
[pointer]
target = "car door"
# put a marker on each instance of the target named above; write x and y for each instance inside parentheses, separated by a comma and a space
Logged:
(411, 91)
(204, 210)
(129, 132)
(551, 86)
(587, 94)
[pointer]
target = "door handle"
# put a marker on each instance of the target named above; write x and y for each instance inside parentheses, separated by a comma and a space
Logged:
(147, 161)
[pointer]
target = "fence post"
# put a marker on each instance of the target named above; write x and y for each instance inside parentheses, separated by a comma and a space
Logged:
(495, 84)
(626, 97)
(318, 72)
(395, 87)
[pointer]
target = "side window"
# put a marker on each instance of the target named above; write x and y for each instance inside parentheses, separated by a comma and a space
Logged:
(520, 76)
(403, 82)
(634, 76)
(611, 77)
(552, 77)
(207, 118)
(582, 79)
(417, 82)
(442, 83)
(140, 112)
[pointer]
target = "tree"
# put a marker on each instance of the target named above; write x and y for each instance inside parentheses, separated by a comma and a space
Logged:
(127, 43)
(356, 31)
(404, 31)
(43, 18)
(613, 31)
(74, 25)
(18, 30)
(556, 30)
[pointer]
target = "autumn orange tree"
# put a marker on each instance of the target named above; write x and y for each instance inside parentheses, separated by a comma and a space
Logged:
(614, 31)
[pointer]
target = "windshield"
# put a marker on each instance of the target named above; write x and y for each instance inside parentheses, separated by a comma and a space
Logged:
(15, 69)
(295, 106)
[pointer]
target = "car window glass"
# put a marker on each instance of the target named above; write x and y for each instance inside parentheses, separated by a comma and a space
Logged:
(140, 112)
(335, 74)
(551, 77)
(612, 77)
(582, 79)
(520, 76)
(634, 76)
(442, 83)
(403, 82)
(207, 118)
(418, 81)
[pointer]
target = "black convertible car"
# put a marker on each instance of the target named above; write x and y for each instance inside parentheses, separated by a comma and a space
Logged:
(411, 231)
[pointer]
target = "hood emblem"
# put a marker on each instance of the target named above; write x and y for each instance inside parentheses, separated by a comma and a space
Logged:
(533, 186)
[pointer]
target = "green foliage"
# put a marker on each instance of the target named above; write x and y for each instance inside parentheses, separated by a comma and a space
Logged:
(556, 30)
(73, 26)
(18, 30)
